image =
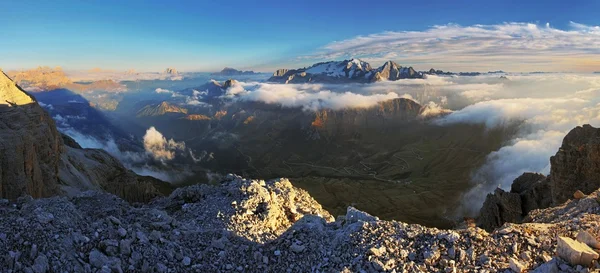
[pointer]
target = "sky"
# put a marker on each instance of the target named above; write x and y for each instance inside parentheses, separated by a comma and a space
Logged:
(151, 35)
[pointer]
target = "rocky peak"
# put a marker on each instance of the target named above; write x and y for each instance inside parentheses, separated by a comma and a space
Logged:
(160, 109)
(171, 71)
(392, 71)
(229, 83)
(11, 94)
(280, 72)
(574, 167)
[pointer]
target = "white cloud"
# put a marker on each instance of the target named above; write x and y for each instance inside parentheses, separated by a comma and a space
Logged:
(307, 96)
(163, 91)
(159, 147)
(508, 46)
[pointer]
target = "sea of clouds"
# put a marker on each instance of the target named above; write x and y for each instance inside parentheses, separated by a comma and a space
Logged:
(545, 106)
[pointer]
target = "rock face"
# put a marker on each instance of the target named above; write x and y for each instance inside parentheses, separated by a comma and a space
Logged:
(386, 113)
(30, 145)
(36, 160)
(391, 71)
(353, 70)
(574, 167)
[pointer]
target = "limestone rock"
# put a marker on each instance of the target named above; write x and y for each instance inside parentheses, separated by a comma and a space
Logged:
(574, 252)
(588, 239)
(516, 266)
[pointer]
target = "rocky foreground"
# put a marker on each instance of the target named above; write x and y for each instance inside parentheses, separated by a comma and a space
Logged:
(246, 225)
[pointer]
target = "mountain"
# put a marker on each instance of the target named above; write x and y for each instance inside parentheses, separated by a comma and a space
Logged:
(353, 70)
(47, 79)
(228, 71)
(34, 159)
(574, 167)
(171, 71)
(160, 109)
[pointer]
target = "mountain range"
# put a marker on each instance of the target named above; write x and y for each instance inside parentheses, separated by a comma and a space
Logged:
(228, 71)
(69, 209)
(353, 70)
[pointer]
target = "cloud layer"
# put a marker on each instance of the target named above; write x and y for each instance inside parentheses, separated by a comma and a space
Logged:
(512, 46)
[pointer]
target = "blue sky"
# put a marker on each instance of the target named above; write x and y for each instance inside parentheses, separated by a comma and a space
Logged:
(208, 35)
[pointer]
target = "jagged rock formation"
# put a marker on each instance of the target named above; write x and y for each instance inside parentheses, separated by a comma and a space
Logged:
(353, 70)
(574, 167)
(160, 109)
(36, 161)
(391, 71)
(257, 226)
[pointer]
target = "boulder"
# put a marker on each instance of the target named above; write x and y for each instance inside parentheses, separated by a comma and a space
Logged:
(498, 208)
(588, 239)
(574, 252)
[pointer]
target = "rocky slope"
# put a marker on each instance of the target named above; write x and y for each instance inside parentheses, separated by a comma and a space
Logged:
(245, 225)
(573, 168)
(353, 70)
(35, 160)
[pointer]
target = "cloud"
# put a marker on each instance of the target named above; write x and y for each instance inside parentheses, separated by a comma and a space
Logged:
(545, 108)
(509, 46)
(307, 96)
(163, 91)
(159, 147)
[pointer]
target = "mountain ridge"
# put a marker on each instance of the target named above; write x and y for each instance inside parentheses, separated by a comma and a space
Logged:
(346, 71)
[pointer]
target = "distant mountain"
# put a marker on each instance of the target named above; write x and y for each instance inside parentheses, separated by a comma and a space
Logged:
(228, 71)
(171, 71)
(353, 70)
(47, 79)
(448, 73)
(160, 109)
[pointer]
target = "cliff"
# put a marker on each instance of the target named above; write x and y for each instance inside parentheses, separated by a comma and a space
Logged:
(35, 161)
(573, 168)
